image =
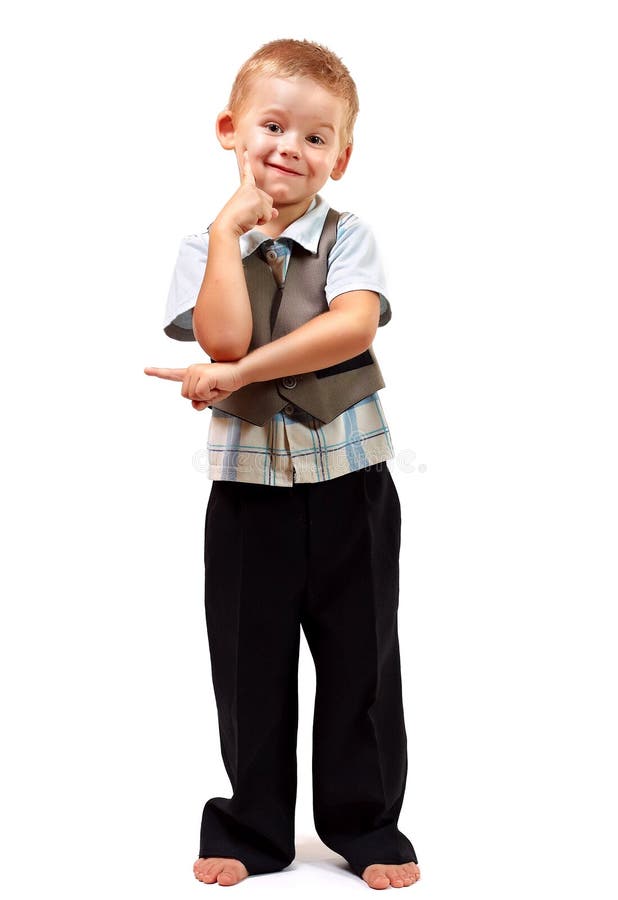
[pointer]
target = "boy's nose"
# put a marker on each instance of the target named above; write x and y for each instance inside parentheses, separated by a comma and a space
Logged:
(288, 145)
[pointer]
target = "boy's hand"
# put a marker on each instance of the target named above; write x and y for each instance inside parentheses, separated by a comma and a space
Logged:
(248, 207)
(203, 383)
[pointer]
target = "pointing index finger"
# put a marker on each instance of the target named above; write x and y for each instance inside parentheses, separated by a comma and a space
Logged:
(169, 374)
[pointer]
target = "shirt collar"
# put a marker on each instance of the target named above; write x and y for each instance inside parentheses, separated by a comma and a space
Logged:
(305, 231)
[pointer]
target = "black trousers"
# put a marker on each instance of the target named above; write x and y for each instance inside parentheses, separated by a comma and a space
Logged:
(324, 556)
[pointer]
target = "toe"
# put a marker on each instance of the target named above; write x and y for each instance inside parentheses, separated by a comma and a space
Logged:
(395, 877)
(404, 871)
(206, 870)
(410, 871)
(377, 880)
(205, 876)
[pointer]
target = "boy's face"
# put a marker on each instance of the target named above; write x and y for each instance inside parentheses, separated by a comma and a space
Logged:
(292, 129)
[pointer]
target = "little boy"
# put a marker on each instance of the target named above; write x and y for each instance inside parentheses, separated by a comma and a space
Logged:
(303, 520)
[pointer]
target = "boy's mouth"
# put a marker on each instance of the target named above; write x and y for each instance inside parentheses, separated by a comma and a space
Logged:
(282, 169)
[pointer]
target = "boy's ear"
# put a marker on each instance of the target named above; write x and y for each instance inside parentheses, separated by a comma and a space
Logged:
(224, 127)
(342, 163)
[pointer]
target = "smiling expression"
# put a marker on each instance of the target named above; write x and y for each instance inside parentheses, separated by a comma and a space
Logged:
(292, 130)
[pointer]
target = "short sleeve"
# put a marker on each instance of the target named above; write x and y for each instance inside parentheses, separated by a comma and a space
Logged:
(185, 286)
(354, 264)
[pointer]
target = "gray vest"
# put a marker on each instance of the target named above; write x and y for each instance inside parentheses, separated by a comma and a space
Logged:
(325, 393)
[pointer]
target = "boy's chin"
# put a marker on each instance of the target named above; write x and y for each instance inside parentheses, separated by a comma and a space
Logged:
(286, 194)
(287, 198)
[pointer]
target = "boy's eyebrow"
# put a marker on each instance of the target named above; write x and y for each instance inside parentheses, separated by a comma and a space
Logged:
(276, 111)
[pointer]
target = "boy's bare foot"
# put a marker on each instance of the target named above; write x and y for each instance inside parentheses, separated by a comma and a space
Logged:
(380, 875)
(223, 869)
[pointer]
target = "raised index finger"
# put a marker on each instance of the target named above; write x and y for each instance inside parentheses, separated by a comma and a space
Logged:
(169, 374)
(246, 172)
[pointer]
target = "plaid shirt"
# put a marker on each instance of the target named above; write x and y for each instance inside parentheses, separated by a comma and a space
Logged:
(295, 448)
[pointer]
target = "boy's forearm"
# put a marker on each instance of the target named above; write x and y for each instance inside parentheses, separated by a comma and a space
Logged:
(324, 340)
(222, 320)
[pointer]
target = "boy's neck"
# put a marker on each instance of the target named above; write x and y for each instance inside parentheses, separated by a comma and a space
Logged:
(287, 215)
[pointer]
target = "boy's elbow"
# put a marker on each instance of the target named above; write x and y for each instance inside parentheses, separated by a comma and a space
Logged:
(369, 330)
(222, 350)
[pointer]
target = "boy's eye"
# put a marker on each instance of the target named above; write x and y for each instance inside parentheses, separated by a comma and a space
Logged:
(274, 128)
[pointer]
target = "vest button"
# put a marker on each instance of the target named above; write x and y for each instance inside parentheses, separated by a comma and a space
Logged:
(289, 381)
(288, 409)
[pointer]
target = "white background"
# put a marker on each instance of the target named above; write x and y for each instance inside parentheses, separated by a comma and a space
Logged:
(485, 159)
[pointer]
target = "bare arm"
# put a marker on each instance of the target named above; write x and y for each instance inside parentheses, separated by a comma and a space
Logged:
(222, 320)
(342, 332)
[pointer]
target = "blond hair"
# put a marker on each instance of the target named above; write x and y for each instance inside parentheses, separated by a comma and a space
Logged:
(288, 58)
